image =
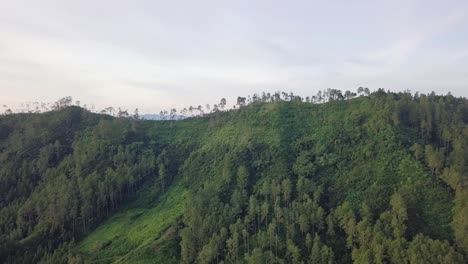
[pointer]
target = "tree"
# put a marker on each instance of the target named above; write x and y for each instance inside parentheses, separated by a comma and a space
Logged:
(210, 251)
(232, 245)
(418, 151)
(187, 246)
(222, 103)
(360, 91)
(347, 220)
(200, 110)
(277, 96)
(173, 113)
(363, 91)
(255, 97)
(62, 103)
(240, 101)
(447, 137)
(215, 108)
(122, 113)
(434, 158)
(264, 211)
(293, 252)
(334, 94)
(163, 169)
(366, 91)
(315, 256)
(440, 252)
(304, 223)
(319, 96)
(136, 114)
(242, 177)
(348, 95)
(399, 215)
(460, 217)
(252, 209)
(304, 165)
(271, 232)
(287, 189)
(109, 110)
(256, 256)
(163, 114)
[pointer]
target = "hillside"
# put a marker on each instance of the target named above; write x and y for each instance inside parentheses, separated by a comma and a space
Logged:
(374, 179)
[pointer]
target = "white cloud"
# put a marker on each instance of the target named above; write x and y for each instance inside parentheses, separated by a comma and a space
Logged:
(156, 54)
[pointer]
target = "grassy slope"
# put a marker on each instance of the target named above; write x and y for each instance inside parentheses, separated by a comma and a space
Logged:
(145, 230)
(140, 232)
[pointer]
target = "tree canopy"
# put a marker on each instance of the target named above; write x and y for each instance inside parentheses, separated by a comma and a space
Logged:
(337, 177)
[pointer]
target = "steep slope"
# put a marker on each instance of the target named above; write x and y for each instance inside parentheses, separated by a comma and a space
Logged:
(288, 177)
(373, 179)
(64, 172)
(138, 234)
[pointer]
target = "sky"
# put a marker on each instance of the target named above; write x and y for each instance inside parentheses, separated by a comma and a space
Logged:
(158, 55)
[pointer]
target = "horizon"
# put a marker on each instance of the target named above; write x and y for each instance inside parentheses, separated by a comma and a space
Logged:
(322, 97)
(154, 55)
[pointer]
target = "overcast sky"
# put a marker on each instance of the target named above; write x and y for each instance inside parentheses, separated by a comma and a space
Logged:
(159, 54)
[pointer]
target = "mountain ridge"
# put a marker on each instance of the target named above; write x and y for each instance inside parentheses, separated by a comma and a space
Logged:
(267, 181)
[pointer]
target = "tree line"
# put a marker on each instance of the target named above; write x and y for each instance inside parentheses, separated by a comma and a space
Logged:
(322, 96)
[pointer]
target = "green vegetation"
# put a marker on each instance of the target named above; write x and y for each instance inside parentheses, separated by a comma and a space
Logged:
(136, 233)
(380, 178)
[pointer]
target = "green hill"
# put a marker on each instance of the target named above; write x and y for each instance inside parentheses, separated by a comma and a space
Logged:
(374, 179)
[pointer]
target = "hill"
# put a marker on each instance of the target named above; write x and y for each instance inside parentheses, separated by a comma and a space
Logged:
(378, 178)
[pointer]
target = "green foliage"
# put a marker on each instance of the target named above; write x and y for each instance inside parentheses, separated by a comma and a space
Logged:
(375, 179)
(138, 232)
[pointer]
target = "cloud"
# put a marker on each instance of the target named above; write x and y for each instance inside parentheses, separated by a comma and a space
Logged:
(395, 58)
(159, 54)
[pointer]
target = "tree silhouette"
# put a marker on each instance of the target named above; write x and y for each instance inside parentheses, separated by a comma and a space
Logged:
(222, 103)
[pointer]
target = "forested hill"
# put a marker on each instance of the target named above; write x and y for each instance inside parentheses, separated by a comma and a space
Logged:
(375, 179)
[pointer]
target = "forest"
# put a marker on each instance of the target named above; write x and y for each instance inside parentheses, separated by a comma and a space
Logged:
(338, 177)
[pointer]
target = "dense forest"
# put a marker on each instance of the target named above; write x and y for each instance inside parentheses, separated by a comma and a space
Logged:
(338, 177)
